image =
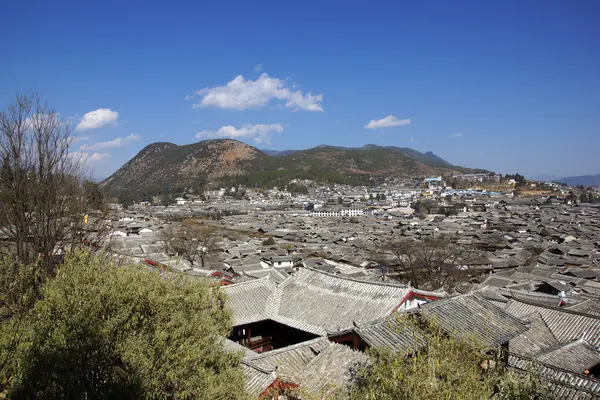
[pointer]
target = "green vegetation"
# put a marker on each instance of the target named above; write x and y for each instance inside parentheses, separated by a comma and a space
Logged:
(268, 242)
(157, 169)
(98, 330)
(283, 177)
(520, 179)
(93, 195)
(446, 367)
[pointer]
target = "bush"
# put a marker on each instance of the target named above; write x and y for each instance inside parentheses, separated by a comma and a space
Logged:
(444, 367)
(268, 242)
(107, 331)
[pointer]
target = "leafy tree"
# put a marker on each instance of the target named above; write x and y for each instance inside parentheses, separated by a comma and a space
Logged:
(269, 242)
(520, 179)
(445, 367)
(105, 331)
(93, 195)
(297, 188)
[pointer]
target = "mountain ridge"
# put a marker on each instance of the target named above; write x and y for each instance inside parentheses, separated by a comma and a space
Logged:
(162, 166)
(585, 180)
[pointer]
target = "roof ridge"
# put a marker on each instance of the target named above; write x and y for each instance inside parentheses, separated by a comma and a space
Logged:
(358, 280)
(559, 346)
(310, 342)
(540, 317)
(264, 278)
(322, 354)
(559, 369)
(559, 309)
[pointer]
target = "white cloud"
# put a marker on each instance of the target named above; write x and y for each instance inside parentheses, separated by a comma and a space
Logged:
(86, 158)
(258, 67)
(456, 136)
(412, 139)
(99, 156)
(80, 139)
(387, 122)
(241, 94)
(118, 142)
(261, 133)
(97, 119)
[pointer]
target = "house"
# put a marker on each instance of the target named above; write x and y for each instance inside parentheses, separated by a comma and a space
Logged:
(307, 305)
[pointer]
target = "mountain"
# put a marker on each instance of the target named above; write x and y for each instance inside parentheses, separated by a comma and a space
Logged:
(160, 167)
(545, 178)
(585, 180)
(426, 156)
(163, 167)
(277, 152)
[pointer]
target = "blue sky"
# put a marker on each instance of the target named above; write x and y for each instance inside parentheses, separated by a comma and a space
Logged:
(511, 86)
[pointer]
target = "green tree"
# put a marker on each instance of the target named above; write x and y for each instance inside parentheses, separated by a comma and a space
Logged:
(297, 188)
(445, 367)
(107, 331)
(93, 195)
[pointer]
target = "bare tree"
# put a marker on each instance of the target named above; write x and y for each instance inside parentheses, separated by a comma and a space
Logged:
(193, 242)
(41, 201)
(431, 264)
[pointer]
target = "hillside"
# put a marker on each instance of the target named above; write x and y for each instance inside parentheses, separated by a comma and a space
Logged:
(585, 180)
(163, 167)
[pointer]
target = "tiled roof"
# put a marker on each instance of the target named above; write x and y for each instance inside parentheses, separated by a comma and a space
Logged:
(336, 304)
(563, 384)
(565, 325)
(291, 360)
(256, 380)
(536, 339)
(314, 301)
(251, 301)
(577, 356)
(392, 333)
(329, 371)
(469, 315)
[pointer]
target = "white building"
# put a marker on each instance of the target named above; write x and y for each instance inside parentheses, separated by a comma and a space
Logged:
(345, 212)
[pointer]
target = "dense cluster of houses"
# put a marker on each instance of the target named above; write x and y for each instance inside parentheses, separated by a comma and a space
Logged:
(308, 296)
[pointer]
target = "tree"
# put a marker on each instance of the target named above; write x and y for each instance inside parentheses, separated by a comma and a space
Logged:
(520, 179)
(297, 188)
(93, 195)
(445, 367)
(41, 199)
(192, 241)
(268, 242)
(433, 263)
(102, 330)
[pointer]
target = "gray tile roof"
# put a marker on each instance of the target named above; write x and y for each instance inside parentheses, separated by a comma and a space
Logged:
(251, 301)
(314, 301)
(563, 384)
(330, 370)
(289, 361)
(565, 325)
(577, 356)
(536, 339)
(392, 333)
(334, 303)
(257, 380)
(469, 315)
